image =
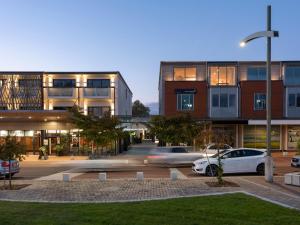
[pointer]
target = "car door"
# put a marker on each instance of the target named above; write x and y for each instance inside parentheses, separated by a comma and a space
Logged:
(232, 161)
(251, 160)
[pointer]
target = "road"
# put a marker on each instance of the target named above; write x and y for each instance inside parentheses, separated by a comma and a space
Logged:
(123, 165)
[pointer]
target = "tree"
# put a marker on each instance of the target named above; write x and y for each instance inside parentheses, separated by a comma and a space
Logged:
(100, 132)
(140, 110)
(10, 150)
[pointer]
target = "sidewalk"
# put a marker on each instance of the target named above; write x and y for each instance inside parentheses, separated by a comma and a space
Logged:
(122, 190)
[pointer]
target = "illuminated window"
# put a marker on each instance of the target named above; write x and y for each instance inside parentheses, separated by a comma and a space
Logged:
(259, 101)
(185, 73)
(185, 102)
(224, 75)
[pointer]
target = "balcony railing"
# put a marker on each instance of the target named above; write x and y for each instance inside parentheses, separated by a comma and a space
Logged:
(96, 92)
(61, 92)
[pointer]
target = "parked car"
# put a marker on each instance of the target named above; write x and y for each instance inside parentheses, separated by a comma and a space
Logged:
(4, 168)
(241, 160)
(173, 155)
(295, 161)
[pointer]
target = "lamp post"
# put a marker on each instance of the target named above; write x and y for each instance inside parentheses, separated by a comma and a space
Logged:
(268, 34)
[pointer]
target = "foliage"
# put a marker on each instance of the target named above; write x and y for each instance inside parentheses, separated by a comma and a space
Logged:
(174, 130)
(99, 132)
(230, 209)
(139, 109)
(10, 150)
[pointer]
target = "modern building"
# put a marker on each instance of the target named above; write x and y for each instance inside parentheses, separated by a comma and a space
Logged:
(33, 105)
(232, 95)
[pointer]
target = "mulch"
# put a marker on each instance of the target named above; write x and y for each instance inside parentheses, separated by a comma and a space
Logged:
(224, 184)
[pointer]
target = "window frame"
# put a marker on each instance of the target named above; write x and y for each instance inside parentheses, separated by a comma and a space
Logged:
(218, 75)
(73, 83)
(228, 95)
(179, 99)
(184, 75)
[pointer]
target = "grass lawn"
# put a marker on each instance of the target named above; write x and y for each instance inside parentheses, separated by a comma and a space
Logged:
(226, 209)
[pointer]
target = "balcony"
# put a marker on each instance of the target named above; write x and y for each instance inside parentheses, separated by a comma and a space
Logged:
(96, 92)
(61, 92)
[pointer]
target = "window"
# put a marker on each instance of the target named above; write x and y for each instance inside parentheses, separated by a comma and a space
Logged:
(292, 75)
(28, 82)
(259, 101)
(185, 102)
(292, 100)
(64, 83)
(98, 83)
(224, 75)
(215, 100)
(185, 73)
(253, 152)
(298, 100)
(98, 111)
(2, 82)
(62, 107)
(256, 73)
(179, 150)
(223, 100)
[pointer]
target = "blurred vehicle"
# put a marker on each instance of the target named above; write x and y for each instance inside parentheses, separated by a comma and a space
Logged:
(4, 168)
(178, 155)
(295, 161)
(241, 160)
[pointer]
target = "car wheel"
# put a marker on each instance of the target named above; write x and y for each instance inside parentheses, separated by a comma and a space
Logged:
(261, 169)
(211, 170)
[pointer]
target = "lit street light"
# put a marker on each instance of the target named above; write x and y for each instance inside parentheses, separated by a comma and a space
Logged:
(268, 34)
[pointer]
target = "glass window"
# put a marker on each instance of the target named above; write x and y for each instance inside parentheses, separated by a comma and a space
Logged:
(98, 83)
(253, 152)
(298, 100)
(259, 101)
(292, 100)
(292, 75)
(256, 73)
(215, 100)
(224, 75)
(98, 111)
(62, 107)
(185, 73)
(185, 102)
(223, 100)
(64, 83)
(29, 82)
(231, 100)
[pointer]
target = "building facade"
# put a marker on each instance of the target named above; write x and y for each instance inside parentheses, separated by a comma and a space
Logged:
(34, 105)
(231, 95)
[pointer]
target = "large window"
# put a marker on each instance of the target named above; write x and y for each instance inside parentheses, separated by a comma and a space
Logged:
(29, 82)
(223, 100)
(224, 75)
(64, 83)
(256, 73)
(98, 83)
(294, 100)
(256, 136)
(185, 101)
(292, 75)
(98, 111)
(185, 73)
(259, 101)
(293, 136)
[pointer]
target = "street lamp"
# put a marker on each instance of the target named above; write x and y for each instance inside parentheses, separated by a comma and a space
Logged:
(268, 34)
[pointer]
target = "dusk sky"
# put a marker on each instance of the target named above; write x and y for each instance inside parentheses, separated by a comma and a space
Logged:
(133, 36)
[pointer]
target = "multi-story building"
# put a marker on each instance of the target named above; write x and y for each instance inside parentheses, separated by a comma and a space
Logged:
(33, 105)
(232, 95)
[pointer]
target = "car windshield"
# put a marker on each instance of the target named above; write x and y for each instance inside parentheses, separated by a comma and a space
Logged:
(222, 152)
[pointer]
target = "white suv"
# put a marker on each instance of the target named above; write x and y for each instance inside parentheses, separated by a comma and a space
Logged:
(241, 160)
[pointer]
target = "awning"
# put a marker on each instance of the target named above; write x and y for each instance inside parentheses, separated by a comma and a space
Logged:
(274, 122)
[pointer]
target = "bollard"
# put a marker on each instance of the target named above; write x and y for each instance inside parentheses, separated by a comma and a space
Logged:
(145, 161)
(140, 176)
(173, 175)
(102, 176)
(66, 177)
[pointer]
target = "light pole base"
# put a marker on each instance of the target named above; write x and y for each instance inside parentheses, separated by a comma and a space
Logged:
(269, 169)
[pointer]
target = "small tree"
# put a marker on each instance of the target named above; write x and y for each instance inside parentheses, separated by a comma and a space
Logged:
(10, 150)
(139, 109)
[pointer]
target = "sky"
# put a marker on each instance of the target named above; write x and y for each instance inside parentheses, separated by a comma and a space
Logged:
(133, 36)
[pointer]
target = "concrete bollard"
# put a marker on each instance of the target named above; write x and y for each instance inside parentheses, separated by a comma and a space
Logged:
(145, 161)
(288, 178)
(66, 177)
(102, 176)
(140, 176)
(296, 179)
(173, 175)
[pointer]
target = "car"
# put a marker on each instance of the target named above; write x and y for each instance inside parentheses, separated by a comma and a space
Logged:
(242, 160)
(4, 168)
(295, 161)
(178, 155)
